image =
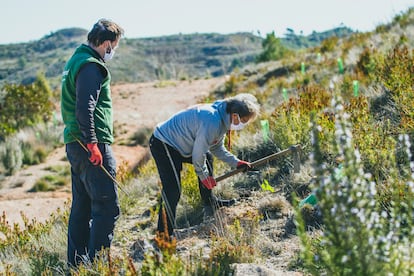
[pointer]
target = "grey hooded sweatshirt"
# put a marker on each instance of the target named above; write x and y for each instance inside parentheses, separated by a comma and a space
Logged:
(195, 131)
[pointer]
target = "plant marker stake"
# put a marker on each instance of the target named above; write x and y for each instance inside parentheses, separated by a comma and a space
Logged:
(310, 199)
(356, 88)
(265, 129)
(302, 68)
(340, 66)
(319, 58)
(284, 93)
(55, 119)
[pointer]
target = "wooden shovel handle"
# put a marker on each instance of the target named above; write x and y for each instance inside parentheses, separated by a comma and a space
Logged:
(260, 162)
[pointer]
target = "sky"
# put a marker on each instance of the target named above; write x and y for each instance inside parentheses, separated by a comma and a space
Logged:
(27, 20)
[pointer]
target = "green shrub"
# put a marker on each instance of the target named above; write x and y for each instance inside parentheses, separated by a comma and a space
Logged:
(11, 155)
(41, 186)
(50, 183)
(272, 49)
(329, 44)
(33, 156)
(30, 146)
(189, 186)
(290, 122)
(366, 63)
(396, 73)
(106, 264)
(167, 264)
(34, 106)
(359, 236)
(238, 246)
(404, 19)
(45, 263)
(141, 136)
(232, 84)
(373, 139)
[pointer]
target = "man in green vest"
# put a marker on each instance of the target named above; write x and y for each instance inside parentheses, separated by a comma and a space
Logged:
(87, 114)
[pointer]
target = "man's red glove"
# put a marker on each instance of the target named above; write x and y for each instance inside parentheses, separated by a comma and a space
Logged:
(95, 155)
(244, 165)
(209, 182)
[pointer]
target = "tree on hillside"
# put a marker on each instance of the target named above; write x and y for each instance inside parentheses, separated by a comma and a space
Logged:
(272, 49)
(24, 105)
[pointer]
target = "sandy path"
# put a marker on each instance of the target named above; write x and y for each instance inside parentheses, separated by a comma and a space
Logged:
(136, 106)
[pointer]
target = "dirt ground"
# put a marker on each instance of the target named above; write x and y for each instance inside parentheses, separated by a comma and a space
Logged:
(136, 106)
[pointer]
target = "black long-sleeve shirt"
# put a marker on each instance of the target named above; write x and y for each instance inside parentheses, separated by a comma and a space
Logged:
(88, 87)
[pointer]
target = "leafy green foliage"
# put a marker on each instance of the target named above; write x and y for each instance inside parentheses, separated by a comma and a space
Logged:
(358, 237)
(272, 49)
(237, 247)
(31, 155)
(141, 136)
(165, 265)
(18, 236)
(404, 19)
(374, 140)
(396, 73)
(366, 63)
(29, 146)
(290, 122)
(105, 264)
(189, 184)
(50, 183)
(24, 105)
(11, 155)
(45, 262)
(328, 45)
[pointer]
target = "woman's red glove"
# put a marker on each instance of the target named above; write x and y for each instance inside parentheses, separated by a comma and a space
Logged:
(95, 155)
(209, 182)
(244, 165)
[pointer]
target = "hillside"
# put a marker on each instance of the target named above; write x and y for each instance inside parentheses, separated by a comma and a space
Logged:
(146, 59)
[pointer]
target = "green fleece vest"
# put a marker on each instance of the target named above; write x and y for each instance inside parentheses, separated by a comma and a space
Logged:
(103, 113)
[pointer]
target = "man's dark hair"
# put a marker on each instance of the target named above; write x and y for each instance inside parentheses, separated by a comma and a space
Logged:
(104, 30)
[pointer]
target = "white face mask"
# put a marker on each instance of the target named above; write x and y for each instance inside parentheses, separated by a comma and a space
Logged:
(239, 126)
(110, 55)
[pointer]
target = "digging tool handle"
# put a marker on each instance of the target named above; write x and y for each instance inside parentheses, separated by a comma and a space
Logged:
(102, 167)
(259, 162)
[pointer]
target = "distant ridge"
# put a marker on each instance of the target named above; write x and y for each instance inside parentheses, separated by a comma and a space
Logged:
(146, 59)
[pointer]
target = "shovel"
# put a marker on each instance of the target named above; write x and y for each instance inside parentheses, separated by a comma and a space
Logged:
(294, 150)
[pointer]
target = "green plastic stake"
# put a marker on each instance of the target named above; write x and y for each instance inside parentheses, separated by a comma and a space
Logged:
(310, 199)
(284, 94)
(319, 58)
(302, 67)
(265, 129)
(55, 119)
(340, 66)
(355, 84)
